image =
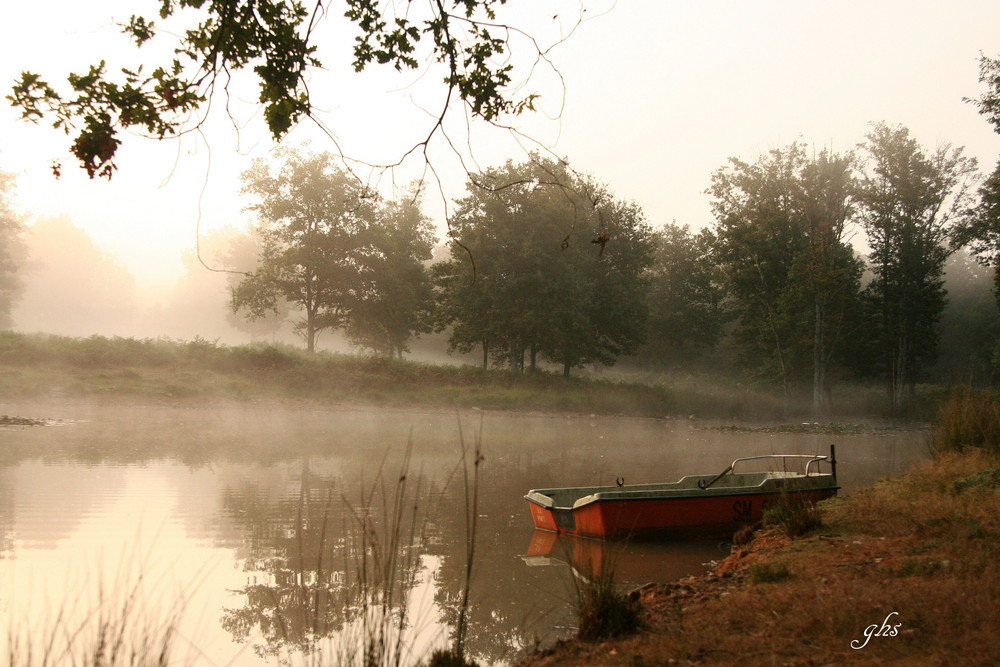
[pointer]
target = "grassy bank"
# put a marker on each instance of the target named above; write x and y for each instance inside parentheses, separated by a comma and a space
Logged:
(170, 371)
(906, 572)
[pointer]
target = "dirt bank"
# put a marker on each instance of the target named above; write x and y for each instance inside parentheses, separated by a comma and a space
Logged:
(906, 572)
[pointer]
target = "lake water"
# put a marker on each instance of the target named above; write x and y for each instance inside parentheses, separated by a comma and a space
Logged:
(242, 526)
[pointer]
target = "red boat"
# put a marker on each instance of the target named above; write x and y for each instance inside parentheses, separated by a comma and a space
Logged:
(694, 504)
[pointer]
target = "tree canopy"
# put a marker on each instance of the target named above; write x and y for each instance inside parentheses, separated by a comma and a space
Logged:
(559, 269)
(780, 239)
(334, 250)
(981, 230)
(909, 200)
(316, 225)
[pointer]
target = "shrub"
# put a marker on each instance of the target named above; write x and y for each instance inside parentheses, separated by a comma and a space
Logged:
(602, 611)
(970, 418)
(794, 514)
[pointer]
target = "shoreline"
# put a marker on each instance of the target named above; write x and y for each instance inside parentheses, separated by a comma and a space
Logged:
(906, 570)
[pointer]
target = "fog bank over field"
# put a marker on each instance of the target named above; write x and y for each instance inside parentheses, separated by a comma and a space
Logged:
(75, 288)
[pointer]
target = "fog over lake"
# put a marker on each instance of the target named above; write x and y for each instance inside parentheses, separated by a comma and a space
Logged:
(224, 512)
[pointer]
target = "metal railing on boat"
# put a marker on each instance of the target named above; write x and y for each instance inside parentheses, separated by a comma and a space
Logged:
(812, 458)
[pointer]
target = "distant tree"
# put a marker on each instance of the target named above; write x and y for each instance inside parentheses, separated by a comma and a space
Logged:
(686, 312)
(790, 271)
(970, 323)
(12, 251)
(72, 287)
(548, 265)
(398, 303)
(316, 228)
(242, 256)
(908, 201)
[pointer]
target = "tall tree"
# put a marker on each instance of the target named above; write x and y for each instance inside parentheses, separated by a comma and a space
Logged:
(780, 238)
(12, 251)
(316, 226)
(545, 269)
(981, 230)
(826, 274)
(908, 201)
(758, 235)
(399, 300)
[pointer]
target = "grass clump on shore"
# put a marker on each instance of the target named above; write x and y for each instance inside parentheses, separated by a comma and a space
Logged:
(969, 419)
(602, 610)
(794, 514)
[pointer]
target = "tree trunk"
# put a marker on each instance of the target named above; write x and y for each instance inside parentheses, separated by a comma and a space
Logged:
(486, 353)
(819, 361)
(566, 366)
(534, 358)
(774, 327)
(310, 331)
(898, 372)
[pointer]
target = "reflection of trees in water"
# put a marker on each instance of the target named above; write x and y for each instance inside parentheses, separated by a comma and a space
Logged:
(306, 558)
(509, 600)
(319, 566)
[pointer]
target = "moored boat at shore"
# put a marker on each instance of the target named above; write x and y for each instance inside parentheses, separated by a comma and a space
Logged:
(694, 504)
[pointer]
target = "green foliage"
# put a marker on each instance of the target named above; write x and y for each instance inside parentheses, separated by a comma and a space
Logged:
(791, 273)
(274, 39)
(335, 250)
(794, 514)
(399, 301)
(989, 102)
(984, 480)
(908, 200)
(685, 295)
(546, 263)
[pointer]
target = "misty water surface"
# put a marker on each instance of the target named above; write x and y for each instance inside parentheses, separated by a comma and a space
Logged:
(223, 510)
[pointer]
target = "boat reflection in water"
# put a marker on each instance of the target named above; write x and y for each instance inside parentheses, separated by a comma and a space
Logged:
(641, 562)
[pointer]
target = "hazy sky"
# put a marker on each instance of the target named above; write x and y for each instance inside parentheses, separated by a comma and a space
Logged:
(658, 94)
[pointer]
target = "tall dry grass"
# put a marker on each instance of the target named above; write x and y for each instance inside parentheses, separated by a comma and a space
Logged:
(969, 419)
(126, 622)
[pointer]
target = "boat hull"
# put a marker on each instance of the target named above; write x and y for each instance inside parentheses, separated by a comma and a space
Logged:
(624, 516)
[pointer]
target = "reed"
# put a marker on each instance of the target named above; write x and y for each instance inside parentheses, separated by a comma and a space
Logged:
(969, 419)
(603, 611)
(120, 624)
(350, 603)
(794, 514)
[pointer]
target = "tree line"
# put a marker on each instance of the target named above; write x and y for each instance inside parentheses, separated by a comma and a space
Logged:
(816, 267)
